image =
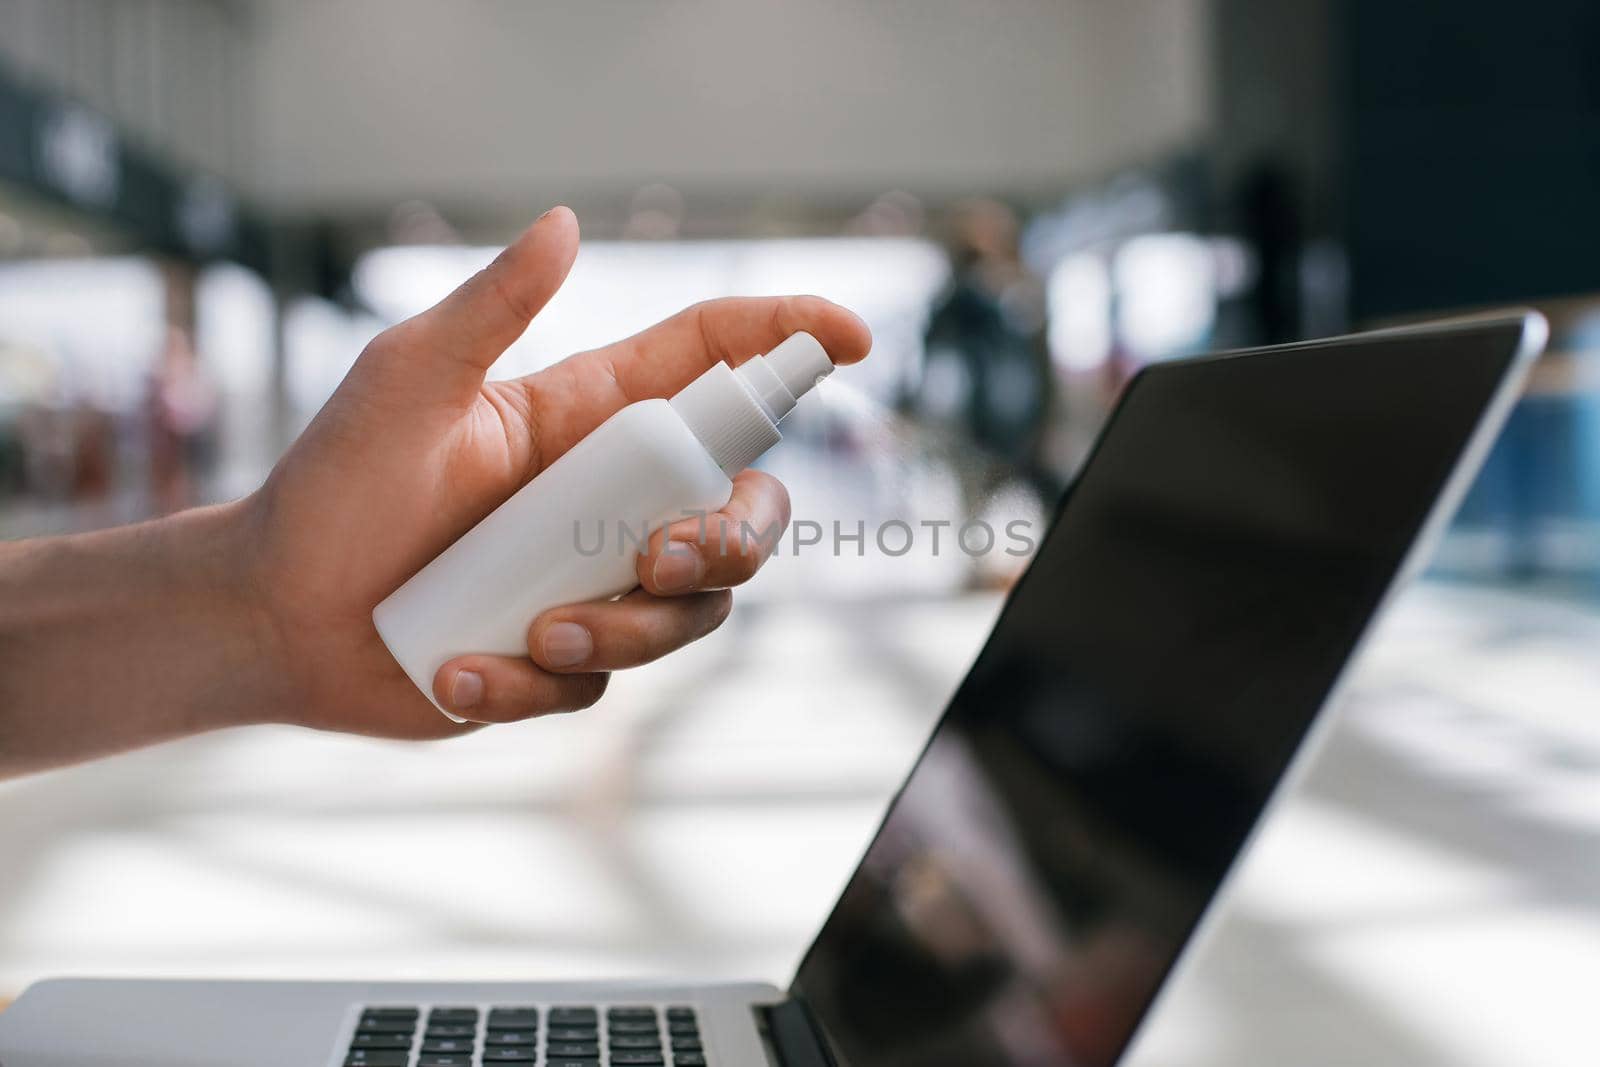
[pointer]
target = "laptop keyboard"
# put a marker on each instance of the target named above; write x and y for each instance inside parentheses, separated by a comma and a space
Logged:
(560, 1036)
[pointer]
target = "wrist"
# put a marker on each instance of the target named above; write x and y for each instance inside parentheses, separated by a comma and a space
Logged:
(214, 555)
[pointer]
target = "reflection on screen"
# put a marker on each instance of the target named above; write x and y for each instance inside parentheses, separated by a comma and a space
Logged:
(1100, 767)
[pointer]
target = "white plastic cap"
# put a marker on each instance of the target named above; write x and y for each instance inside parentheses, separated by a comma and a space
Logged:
(801, 361)
(734, 412)
(726, 418)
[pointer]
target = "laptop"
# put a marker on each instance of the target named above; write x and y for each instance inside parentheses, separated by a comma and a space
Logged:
(1052, 856)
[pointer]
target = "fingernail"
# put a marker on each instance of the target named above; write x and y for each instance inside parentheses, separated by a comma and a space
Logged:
(566, 644)
(678, 567)
(466, 690)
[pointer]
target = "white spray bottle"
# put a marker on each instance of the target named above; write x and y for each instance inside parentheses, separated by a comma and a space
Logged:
(572, 533)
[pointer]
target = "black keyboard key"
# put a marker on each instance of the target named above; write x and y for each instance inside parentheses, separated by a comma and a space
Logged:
(636, 1058)
(380, 1041)
(630, 1013)
(382, 1012)
(634, 1026)
(387, 1026)
(364, 1058)
(682, 1028)
(688, 1059)
(521, 1054)
(450, 1030)
(574, 1033)
(635, 1041)
(572, 1048)
(450, 1044)
(572, 1063)
(686, 1044)
(453, 1015)
(512, 1037)
(445, 1059)
(507, 1019)
(576, 1016)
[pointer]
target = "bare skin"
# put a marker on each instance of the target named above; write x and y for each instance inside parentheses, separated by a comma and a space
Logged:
(259, 610)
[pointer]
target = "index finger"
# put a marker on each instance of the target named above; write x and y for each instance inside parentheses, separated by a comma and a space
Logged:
(581, 392)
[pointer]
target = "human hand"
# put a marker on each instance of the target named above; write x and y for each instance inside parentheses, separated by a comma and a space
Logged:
(414, 448)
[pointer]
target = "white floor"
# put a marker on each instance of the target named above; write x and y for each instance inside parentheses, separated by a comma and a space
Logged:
(1430, 894)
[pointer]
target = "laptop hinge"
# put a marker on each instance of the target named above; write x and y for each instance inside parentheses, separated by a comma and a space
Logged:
(794, 1035)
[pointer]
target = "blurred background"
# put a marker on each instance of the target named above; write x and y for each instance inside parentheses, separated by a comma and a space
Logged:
(207, 207)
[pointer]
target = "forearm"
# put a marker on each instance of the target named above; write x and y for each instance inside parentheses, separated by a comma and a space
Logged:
(125, 637)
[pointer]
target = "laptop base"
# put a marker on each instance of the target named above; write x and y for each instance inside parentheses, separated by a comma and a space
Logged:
(85, 1022)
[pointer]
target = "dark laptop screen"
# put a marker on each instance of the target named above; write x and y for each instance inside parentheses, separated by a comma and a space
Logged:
(1103, 762)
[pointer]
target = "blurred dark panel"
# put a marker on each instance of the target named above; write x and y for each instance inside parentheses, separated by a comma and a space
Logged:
(1473, 148)
(55, 147)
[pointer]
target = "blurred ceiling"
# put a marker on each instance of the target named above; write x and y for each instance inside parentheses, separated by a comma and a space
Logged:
(513, 102)
(751, 108)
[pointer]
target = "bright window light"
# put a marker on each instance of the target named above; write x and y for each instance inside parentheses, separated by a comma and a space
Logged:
(101, 321)
(234, 312)
(1079, 296)
(1166, 294)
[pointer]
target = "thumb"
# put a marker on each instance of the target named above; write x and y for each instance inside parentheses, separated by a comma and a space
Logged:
(451, 345)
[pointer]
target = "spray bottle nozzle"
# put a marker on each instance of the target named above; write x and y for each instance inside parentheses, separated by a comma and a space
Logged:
(801, 362)
(785, 374)
(735, 411)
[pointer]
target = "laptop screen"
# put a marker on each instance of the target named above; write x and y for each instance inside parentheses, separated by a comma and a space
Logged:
(1102, 764)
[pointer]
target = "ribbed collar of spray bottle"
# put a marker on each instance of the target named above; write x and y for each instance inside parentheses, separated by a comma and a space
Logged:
(727, 418)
